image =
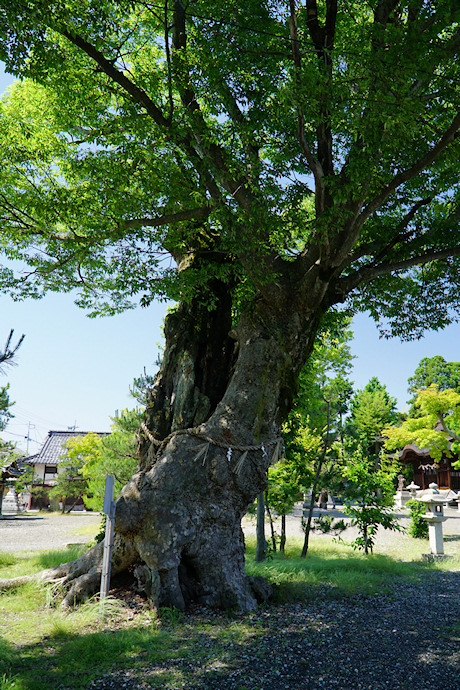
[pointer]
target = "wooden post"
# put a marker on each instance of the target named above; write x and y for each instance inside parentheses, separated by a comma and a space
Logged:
(261, 544)
(109, 510)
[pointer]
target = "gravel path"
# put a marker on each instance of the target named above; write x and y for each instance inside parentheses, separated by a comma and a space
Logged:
(405, 639)
(38, 532)
(409, 640)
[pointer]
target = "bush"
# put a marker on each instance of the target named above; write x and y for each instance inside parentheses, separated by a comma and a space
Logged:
(418, 527)
(327, 525)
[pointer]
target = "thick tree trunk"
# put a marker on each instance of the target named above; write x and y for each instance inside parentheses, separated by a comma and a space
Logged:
(211, 431)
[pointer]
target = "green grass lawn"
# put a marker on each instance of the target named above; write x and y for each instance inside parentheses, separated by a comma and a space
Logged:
(43, 647)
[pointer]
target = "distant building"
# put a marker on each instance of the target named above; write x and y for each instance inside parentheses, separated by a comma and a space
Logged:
(46, 467)
(427, 470)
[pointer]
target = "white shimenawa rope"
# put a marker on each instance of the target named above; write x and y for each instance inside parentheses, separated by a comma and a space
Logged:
(277, 442)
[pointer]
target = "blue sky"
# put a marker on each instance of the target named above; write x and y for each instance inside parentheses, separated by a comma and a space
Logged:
(72, 370)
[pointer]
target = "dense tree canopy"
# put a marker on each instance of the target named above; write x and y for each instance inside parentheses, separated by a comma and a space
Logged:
(435, 424)
(435, 370)
(245, 140)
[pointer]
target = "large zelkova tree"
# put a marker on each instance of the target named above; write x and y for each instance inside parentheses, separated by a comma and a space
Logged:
(263, 163)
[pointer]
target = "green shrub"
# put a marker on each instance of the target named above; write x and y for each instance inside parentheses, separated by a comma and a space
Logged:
(418, 527)
(326, 524)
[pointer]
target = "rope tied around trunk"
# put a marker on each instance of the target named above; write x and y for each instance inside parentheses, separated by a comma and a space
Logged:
(278, 452)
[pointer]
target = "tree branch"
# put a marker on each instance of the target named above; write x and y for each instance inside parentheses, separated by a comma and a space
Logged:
(169, 218)
(238, 188)
(8, 352)
(368, 273)
(168, 61)
(384, 249)
(446, 429)
(313, 163)
(136, 93)
(408, 174)
(236, 115)
(323, 40)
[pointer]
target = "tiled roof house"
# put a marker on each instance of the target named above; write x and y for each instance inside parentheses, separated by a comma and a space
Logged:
(46, 463)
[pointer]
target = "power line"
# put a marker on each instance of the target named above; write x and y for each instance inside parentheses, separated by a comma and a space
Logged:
(20, 411)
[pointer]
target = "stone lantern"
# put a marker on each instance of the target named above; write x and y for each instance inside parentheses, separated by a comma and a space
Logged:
(413, 488)
(434, 515)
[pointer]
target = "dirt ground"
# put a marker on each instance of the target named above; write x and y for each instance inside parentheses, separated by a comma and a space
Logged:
(40, 531)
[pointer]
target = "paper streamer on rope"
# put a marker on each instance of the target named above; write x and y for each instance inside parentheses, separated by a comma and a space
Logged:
(277, 453)
(202, 451)
(239, 465)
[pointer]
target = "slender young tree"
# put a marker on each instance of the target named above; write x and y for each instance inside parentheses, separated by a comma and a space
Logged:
(262, 163)
(369, 497)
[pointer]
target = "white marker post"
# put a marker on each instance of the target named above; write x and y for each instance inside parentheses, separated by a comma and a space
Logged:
(109, 509)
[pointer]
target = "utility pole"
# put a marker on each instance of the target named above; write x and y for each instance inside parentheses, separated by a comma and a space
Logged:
(29, 427)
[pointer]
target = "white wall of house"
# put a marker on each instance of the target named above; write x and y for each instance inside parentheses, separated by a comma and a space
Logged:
(46, 473)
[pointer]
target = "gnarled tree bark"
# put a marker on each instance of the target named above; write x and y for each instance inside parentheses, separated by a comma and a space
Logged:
(211, 430)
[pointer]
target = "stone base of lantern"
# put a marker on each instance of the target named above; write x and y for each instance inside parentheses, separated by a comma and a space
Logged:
(435, 557)
(401, 498)
(435, 533)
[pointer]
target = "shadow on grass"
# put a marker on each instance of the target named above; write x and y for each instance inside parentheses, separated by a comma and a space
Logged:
(274, 647)
(166, 657)
(20, 518)
(206, 650)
